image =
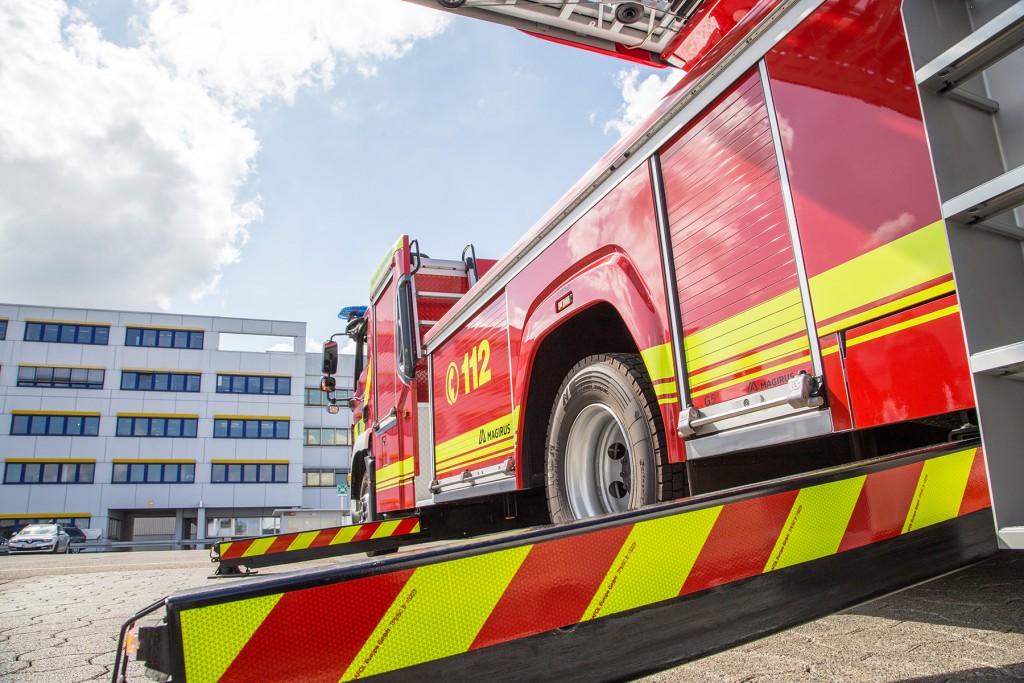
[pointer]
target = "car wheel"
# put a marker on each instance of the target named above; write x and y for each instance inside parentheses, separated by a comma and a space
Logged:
(606, 443)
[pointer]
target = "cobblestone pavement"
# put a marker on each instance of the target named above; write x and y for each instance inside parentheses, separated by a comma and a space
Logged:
(60, 617)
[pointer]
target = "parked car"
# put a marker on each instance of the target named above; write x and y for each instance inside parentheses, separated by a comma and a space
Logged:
(3, 544)
(78, 539)
(40, 538)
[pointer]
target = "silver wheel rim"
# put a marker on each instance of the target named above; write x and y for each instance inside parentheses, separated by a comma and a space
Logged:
(598, 470)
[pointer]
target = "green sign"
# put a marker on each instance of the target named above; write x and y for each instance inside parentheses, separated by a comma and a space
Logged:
(342, 489)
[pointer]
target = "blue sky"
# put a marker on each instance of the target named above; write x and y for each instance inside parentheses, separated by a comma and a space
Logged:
(256, 159)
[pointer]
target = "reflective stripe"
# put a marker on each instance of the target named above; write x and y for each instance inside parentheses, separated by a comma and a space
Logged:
(940, 490)
(816, 523)
(211, 637)
(653, 563)
(895, 267)
(409, 634)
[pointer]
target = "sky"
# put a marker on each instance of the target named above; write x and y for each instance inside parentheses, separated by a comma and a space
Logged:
(257, 158)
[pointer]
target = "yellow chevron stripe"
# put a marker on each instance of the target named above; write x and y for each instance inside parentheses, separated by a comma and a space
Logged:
(302, 541)
(386, 529)
(653, 563)
(940, 490)
(658, 360)
(408, 633)
(816, 523)
(213, 636)
(905, 325)
(259, 547)
(745, 378)
(890, 269)
(345, 534)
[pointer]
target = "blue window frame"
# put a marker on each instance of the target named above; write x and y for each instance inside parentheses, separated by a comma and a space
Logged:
(60, 377)
(3, 329)
(249, 428)
(249, 473)
(55, 425)
(163, 338)
(253, 384)
(137, 380)
(67, 333)
(44, 472)
(153, 473)
(161, 426)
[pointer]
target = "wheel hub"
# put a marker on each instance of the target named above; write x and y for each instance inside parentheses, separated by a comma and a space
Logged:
(597, 463)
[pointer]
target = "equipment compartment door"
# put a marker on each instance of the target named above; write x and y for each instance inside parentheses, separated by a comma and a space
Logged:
(745, 328)
(474, 419)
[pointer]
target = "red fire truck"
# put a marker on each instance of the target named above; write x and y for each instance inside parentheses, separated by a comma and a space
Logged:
(786, 305)
(755, 283)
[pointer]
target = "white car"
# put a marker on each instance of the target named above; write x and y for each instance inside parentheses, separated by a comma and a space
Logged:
(40, 538)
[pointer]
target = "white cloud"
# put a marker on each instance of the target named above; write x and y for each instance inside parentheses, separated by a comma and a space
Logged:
(639, 97)
(252, 51)
(124, 167)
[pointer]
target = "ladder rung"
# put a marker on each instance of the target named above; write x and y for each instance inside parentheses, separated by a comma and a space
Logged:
(976, 52)
(1004, 361)
(988, 199)
(453, 296)
(1013, 537)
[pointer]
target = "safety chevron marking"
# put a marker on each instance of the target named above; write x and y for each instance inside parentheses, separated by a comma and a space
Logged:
(399, 618)
(272, 545)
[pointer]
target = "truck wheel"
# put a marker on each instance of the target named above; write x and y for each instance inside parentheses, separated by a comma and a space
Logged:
(606, 442)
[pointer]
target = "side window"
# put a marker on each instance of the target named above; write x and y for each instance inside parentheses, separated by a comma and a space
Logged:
(405, 332)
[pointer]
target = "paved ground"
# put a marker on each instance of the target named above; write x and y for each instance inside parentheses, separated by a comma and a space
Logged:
(60, 616)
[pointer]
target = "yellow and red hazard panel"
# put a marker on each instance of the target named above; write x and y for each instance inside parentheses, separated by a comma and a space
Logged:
(408, 616)
(281, 546)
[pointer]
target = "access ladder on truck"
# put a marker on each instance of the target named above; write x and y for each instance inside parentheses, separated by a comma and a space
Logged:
(968, 63)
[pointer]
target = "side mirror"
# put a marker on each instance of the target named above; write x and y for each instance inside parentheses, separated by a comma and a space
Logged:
(330, 364)
(328, 385)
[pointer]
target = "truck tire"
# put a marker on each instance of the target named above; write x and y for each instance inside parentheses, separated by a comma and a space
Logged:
(606, 442)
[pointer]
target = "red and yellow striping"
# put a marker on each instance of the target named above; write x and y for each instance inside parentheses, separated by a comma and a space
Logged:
(270, 545)
(398, 619)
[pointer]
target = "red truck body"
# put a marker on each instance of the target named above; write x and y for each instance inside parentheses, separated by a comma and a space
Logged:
(780, 226)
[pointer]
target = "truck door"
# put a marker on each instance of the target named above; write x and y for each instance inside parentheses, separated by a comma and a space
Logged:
(751, 365)
(393, 357)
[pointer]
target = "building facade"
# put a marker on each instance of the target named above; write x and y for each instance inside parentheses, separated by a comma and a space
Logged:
(149, 426)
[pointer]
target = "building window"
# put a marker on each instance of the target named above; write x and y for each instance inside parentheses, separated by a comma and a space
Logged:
(170, 426)
(254, 384)
(145, 380)
(250, 427)
(153, 472)
(316, 397)
(49, 472)
(226, 527)
(37, 424)
(3, 329)
(67, 333)
(323, 478)
(164, 338)
(254, 472)
(326, 436)
(60, 377)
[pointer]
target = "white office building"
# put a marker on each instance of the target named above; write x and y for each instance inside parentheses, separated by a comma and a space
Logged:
(149, 426)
